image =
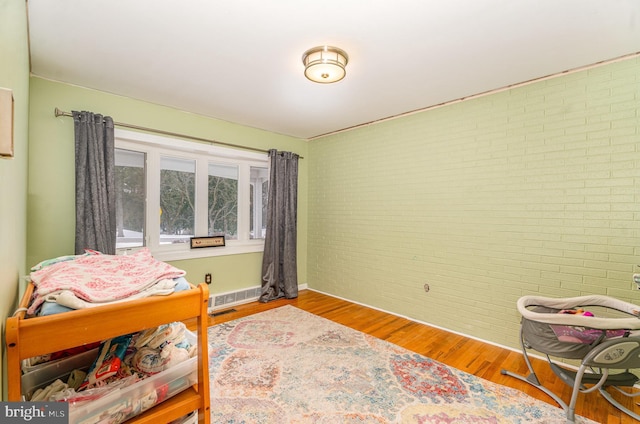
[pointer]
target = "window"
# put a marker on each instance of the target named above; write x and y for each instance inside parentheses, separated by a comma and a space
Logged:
(258, 200)
(223, 201)
(170, 190)
(130, 198)
(177, 199)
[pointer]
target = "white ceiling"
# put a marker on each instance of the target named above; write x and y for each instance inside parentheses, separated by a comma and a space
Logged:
(240, 60)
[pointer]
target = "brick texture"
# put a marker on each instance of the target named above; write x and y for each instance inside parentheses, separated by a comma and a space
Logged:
(532, 190)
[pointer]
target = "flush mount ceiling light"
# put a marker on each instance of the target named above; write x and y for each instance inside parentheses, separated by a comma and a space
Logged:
(325, 64)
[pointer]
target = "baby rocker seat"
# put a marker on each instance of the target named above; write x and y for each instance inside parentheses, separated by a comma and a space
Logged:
(605, 344)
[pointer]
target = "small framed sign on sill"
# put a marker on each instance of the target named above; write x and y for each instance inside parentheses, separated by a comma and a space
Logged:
(208, 241)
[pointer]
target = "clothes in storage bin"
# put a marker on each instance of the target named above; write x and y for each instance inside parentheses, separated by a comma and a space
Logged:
(123, 403)
(42, 375)
(128, 402)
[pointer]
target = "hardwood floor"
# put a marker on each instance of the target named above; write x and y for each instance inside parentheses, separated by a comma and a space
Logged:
(469, 355)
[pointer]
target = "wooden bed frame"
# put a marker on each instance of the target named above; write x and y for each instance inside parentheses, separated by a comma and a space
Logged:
(30, 337)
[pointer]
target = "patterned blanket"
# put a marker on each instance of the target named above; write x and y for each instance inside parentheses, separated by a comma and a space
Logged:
(100, 278)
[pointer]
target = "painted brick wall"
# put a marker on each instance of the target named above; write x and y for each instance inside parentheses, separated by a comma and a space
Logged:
(533, 190)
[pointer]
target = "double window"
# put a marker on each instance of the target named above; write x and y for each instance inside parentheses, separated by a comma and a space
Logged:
(169, 190)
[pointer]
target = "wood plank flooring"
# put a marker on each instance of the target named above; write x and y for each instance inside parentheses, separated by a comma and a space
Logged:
(472, 356)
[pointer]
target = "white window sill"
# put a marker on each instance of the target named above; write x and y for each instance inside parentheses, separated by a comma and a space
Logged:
(184, 252)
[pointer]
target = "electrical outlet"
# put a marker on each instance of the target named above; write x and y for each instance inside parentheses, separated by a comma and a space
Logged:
(207, 278)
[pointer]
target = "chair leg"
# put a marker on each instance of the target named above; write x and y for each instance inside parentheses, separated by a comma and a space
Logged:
(533, 380)
(605, 394)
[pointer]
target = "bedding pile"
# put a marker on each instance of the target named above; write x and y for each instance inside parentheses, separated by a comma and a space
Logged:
(93, 279)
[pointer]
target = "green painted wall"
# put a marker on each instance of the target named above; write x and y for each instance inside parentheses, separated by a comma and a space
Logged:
(14, 74)
(51, 173)
(534, 190)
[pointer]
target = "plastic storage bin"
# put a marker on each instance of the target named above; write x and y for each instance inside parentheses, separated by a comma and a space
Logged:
(119, 404)
(44, 374)
(122, 404)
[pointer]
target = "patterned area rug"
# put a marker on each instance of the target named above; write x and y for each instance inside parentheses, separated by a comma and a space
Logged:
(289, 366)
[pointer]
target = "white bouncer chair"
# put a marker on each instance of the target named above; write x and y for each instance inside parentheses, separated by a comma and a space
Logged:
(603, 341)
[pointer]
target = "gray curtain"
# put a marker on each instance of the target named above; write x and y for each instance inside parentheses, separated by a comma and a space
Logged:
(95, 183)
(279, 263)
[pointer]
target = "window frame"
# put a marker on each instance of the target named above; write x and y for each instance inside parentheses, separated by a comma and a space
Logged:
(155, 146)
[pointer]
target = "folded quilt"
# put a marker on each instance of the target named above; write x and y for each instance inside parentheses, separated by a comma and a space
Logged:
(99, 278)
(70, 300)
(52, 307)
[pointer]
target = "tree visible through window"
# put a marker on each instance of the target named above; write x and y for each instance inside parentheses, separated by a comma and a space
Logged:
(170, 190)
(177, 199)
(223, 200)
(130, 198)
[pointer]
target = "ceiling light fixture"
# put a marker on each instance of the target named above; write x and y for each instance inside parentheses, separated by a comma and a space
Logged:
(325, 64)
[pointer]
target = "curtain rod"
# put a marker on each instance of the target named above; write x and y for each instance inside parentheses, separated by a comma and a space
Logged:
(59, 112)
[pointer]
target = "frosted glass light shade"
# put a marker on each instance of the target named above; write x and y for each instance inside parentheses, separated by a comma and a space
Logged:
(325, 64)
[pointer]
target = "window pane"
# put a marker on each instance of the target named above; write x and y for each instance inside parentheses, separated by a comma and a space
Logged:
(258, 202)
(177, 197)
(223, 200)
(130, 198)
